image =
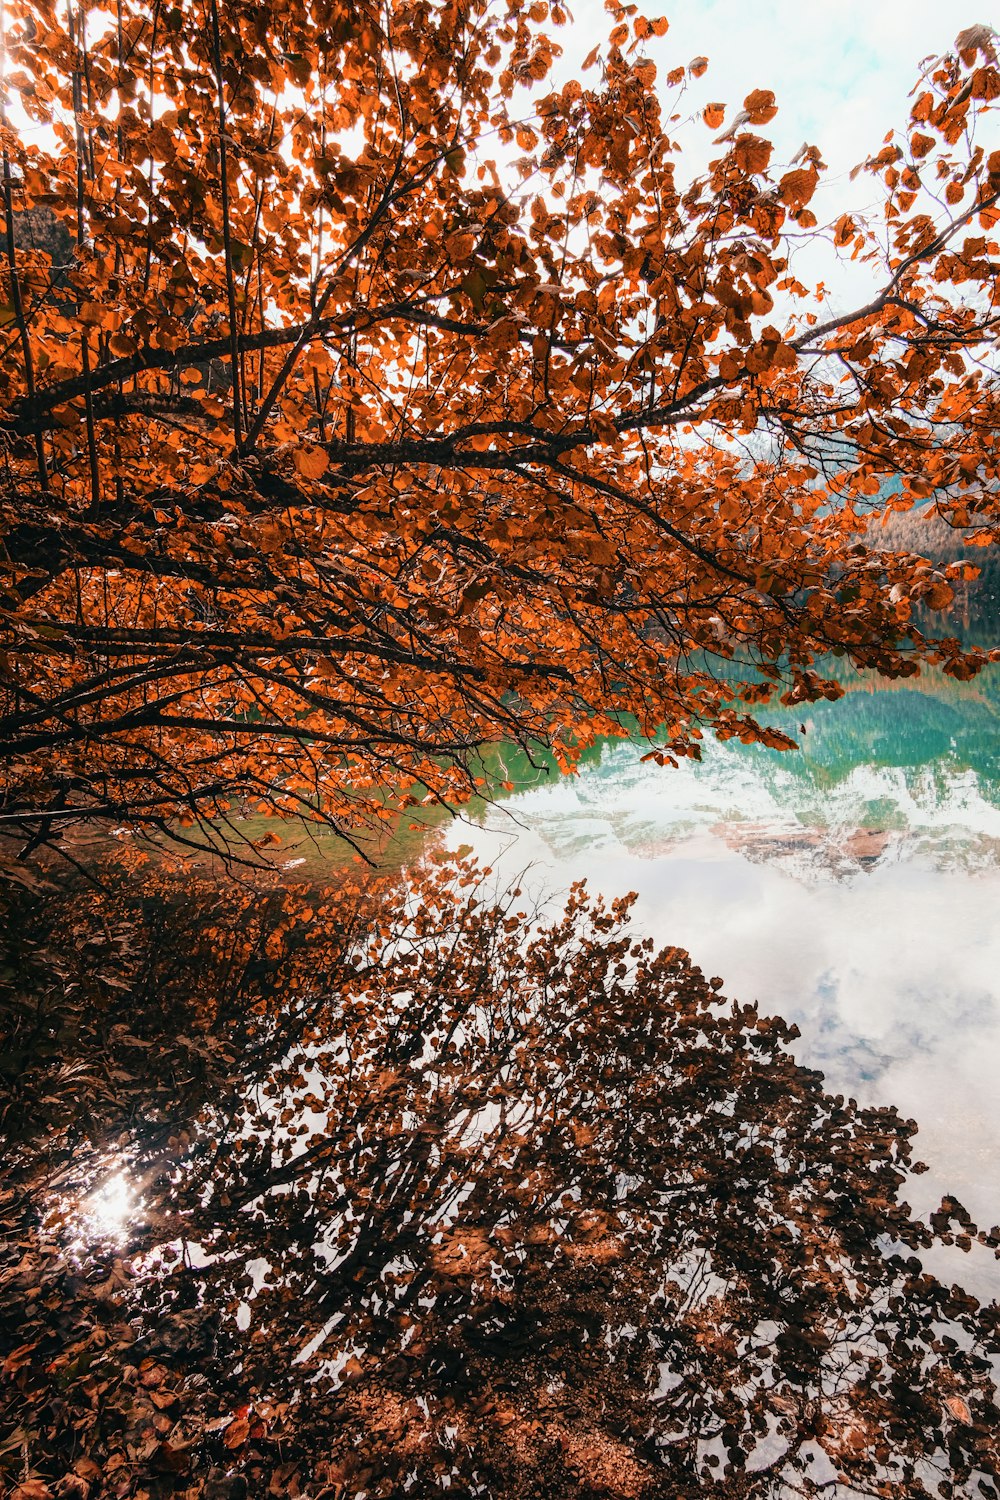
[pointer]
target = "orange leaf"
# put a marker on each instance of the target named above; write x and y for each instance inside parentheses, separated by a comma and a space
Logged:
(460, 246)
(604, 427)
(844, 230)
(311, 462)
(797, 187)
(752, 153)
(939, 596)
(760, 106)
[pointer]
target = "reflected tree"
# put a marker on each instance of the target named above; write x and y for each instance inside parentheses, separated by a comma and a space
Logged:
(457, 1195)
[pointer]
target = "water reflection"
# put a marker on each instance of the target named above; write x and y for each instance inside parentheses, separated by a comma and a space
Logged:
(447, 1197)
(108, 1211)
(852, 886)
(485, 1203)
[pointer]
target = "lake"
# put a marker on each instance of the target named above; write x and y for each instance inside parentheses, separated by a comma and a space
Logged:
(852, 886)
(504, 1195)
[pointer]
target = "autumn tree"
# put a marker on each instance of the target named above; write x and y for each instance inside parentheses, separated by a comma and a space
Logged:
(431, 1193)
(398, 395)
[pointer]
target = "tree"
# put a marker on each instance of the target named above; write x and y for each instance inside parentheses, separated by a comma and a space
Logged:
(397, 399)
(434, 1195)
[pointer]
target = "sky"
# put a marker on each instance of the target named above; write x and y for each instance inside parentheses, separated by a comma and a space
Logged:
(841, 72)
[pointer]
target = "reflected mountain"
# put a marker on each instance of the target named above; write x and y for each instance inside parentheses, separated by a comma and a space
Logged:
(883, 774)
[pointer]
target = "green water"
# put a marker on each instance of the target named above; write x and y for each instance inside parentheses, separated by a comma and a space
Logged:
(933, 723)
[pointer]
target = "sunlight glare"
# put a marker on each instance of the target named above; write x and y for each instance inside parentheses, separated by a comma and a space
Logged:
(108, 1211)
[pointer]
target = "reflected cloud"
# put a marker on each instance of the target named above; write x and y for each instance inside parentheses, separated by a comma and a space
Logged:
(864, 911)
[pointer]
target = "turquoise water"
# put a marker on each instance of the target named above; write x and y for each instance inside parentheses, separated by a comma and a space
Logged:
(852, 886)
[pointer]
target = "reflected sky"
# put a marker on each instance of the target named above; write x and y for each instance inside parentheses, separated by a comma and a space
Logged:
(856, 897)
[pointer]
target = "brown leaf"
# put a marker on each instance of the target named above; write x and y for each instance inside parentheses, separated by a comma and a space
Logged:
(959, 1409)
(18, 1357)
(236, 1433)
(760, 106)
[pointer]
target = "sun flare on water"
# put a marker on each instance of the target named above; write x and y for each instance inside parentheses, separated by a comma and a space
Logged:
(108, 1211)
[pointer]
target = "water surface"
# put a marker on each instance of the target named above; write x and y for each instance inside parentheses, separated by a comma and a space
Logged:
(852, 886)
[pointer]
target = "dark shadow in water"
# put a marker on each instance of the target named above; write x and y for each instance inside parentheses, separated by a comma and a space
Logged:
(359, 1192)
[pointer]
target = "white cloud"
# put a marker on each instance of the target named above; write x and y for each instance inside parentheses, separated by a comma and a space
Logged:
(841, 72)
